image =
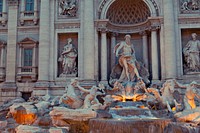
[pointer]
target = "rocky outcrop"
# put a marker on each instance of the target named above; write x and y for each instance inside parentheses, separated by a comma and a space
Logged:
(76, 119)
(62, 113)
(189, 115)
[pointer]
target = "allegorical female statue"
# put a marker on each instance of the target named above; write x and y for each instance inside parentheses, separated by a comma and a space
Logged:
(68, 58)
(191, 54)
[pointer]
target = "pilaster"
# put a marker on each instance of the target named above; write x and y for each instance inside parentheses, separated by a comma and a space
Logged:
(88, 39)
(154, 53)
(9, 87)
(169, 40)
(44, 40)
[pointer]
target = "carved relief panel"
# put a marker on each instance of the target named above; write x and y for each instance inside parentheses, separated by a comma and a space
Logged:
(67, 8)
(67, 55)
(189, 6)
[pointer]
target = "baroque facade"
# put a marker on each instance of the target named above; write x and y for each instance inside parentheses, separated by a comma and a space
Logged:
(45, 43)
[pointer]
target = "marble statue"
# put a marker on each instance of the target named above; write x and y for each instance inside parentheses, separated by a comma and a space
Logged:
(128, 68)
(166, 99)
(71, 98)
(190, 94)
(195, 4)
(129, 91)
(191, 54)
(68, 7)
(127, 59)
(68, 58)
(90, 100)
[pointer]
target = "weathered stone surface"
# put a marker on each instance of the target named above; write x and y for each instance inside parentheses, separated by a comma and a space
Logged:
(128, 126)
(181, 128)
(43, 121)
(103, 114)
(9, 103)
(25, 113)
(72, 114)
(42, 107)
(58, 130)
(29, 129)
(75, 119)
(190, 115)
(3, 124)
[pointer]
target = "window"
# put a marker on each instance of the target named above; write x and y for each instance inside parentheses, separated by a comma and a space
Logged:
(1, 7)
(29, 5)
(28, 54)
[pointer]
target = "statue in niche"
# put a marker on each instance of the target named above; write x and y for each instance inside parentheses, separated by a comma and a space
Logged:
(127, 59)
(191, 54)
(128, 67)
(68, 58)
(68, 7)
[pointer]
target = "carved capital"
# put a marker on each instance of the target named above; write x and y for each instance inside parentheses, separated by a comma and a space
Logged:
(143, 33)
(103, 30)
(12, 2)
(154, 27)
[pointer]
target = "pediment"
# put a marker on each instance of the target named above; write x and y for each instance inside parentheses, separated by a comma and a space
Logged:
(28, 40)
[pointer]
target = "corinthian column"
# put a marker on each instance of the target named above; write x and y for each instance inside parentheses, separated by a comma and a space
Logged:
(88, 40)
(169, 40)
(113, 43)
(103, 55)
(44, 41)
(145, 49)
(154, 54)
